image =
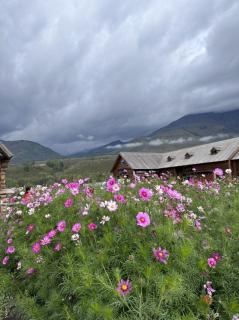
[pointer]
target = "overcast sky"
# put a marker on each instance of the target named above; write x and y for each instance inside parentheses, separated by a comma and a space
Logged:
(75, 74)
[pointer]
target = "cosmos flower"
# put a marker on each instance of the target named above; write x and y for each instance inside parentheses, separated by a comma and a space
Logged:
(145, 194)
(10, 249)
(57, 247)
(208, 287)
(112, 205)
(68, 203)
(161, 255)
(36, 247)
(105, 219)
(76, 227)
(124, 287)
(216, 256)
(75, 237)
(211, 262)
(143, 219)
(5, 260)
(45, 240)
(92, 226)
(218, 172)
(61, 225)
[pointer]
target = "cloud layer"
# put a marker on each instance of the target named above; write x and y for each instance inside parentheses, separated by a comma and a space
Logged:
(77, 74)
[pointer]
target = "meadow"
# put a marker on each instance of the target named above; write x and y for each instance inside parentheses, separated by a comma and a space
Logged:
(47, 172)
(155, 248)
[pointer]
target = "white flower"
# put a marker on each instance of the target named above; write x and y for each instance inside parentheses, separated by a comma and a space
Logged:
(47, 216)
(103, 204)
(105, 219)
(31, 211)
(200, 209)
(19, 212)
(75, 237)
(112, 205)
(228, 171)
(235, 317)
(19, 265)
(22, 193)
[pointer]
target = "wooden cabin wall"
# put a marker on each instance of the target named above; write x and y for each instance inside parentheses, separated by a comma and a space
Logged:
(121, 165)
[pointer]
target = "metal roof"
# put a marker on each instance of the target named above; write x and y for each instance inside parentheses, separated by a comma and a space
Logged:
(226, 150)
(142, 160)
(5, 153)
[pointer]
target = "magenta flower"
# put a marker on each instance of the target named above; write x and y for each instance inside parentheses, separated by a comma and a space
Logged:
(76, 227)
(110, 183)
(10, 249)
(9, 241)
(124, 287)
(52, 233)
(36, 247)
(68, 203)
(161, 255)
(45, 240)
(145, 194)
(216, 256)
(61, 225)
(119, 198)
(211, 262)
(57, 247)
(5, 260)
(92, 226)
(143, 219)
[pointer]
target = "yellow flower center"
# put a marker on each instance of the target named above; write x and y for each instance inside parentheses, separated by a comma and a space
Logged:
(160, 254)
(124, 287)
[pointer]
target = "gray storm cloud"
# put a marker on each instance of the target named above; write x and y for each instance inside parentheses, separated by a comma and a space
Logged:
(77, 74)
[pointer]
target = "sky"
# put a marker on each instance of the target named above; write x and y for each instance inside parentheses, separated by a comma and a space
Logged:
(75, 74)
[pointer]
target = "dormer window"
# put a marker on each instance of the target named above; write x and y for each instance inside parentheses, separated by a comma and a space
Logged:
(169, 158)
(214, 151)
(187, 155)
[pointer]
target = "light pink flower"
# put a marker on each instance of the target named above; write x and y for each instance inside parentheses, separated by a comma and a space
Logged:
(45, 240)
(61, 225)
(76, 227)
(52, 233)
(57, 247)
(143, 219)
(218, 172)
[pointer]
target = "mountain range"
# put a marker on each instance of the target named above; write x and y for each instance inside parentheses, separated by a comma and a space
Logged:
(190, 130)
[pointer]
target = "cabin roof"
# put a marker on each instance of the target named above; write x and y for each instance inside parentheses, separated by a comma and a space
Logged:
(207, 153)
(5, 153)
(142, 160)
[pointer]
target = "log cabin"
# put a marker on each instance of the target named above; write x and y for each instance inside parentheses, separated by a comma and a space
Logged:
(201, 159)
(5, 157)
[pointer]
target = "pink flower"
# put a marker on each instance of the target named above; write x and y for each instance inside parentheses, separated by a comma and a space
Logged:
(92, 226)
(36, 247)
(45, 240)
(10, 249)
(61, 225)
(30, 271)
(9, 241)
(124, 287)
(161, 255)
(211, 262)
(76, 227)
(119, 198)
(216, 256)
(218, 172)
(68, 203)
(109, 184)
(52, 233)
(30, 228)
(143, 219)
(5, 260)
(57, 247)
(145, 194)
(198, 225)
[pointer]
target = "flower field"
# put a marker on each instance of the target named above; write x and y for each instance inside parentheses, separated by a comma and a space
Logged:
(155, 248)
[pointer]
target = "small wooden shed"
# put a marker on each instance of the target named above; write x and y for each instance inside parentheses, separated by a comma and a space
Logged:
(201, 159)
(5, 157)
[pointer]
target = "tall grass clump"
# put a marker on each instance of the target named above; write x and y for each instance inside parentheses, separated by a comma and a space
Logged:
(153, 248)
